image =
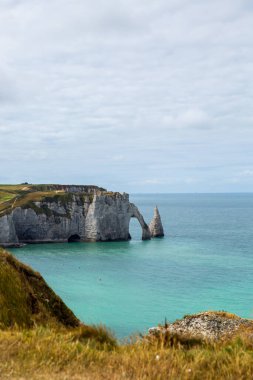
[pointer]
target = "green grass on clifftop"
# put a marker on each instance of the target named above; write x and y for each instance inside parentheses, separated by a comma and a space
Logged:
(21, 195)
(25, 196)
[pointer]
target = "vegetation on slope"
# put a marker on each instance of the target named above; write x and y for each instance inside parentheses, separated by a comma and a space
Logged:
(26, 299)
(25, 196)
(19, 195)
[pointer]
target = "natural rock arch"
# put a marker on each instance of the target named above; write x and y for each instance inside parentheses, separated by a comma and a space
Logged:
(135, 213)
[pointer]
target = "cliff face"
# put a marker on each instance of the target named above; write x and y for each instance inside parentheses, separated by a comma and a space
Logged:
(108, 218)
(70, 215)
(7, 230)
(51, 220)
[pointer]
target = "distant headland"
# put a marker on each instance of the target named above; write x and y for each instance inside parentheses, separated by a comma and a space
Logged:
(68, 213)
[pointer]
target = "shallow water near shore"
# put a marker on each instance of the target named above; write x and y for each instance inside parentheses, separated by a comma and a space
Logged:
(205, 262)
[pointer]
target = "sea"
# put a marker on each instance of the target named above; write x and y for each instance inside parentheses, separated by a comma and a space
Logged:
(204, 262)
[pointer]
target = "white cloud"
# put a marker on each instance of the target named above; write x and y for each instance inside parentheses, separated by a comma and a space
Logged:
(247, 173)
(121, 87)
(190, 118)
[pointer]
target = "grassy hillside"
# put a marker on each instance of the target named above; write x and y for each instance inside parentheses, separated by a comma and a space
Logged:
(25, 298)
(24, 195)
(19, 195)
(40, 338)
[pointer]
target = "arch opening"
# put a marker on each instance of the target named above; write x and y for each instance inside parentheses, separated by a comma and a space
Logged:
(135, 229)
(74, 238)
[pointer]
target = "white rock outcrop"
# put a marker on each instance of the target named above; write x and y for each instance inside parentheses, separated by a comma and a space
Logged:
(156, 227)
(206, 325)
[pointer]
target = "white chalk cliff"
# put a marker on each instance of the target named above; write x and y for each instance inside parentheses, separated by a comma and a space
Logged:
(74, 216)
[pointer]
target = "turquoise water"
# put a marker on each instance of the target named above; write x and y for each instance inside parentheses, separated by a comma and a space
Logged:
(204, 262)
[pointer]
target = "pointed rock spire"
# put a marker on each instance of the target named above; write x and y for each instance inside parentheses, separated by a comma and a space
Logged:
(155, 226)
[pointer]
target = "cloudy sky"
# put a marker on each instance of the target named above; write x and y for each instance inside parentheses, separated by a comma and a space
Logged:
(132, 95)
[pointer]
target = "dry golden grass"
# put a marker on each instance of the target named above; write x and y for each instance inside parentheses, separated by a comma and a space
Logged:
(44, 353)
(221, 313)
(14, 187)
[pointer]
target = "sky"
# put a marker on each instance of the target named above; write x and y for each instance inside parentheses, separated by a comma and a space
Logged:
(132, 95)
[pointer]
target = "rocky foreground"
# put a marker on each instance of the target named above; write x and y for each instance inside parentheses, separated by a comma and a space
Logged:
(210, 325)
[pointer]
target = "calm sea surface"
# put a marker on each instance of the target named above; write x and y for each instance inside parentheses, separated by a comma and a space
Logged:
(204, 262)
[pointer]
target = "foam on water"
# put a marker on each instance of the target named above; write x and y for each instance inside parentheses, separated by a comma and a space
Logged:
(204, 262)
